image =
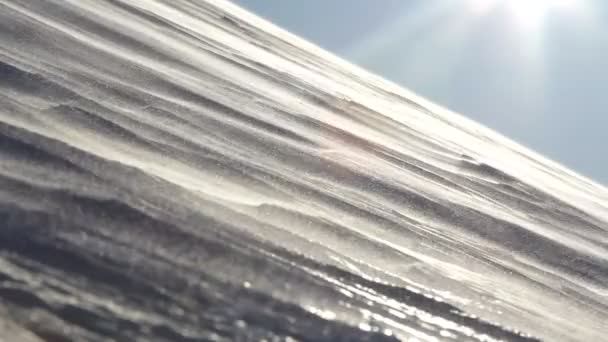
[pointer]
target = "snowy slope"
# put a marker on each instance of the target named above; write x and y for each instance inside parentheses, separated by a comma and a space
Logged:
(185, 171)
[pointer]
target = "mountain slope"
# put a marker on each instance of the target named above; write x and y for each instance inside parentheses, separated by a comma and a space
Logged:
(185, 171)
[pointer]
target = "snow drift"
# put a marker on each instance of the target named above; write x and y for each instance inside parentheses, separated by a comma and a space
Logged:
(184, 171)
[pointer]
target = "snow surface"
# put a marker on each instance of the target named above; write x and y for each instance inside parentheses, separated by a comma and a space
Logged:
(185, 171)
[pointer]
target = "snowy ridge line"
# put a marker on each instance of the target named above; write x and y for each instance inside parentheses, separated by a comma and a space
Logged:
(184, 171)
(379, 84)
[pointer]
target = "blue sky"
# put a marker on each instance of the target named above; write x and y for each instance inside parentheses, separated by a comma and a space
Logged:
(539, 75)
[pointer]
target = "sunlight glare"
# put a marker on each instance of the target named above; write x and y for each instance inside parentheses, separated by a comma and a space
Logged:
(532, 12)
(527, 13)
(480, 7)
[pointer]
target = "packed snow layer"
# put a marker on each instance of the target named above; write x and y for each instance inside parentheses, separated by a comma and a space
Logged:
(185, 171)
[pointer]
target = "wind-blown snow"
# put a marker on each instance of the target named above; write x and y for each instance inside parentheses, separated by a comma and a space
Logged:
(184, 171)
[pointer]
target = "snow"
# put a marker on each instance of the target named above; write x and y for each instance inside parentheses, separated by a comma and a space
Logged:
(156, 156)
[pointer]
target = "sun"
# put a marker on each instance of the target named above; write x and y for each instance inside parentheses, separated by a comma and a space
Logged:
(533, 12)
(526, 13)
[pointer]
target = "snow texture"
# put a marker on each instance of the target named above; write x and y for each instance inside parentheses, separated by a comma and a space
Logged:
(185, 171)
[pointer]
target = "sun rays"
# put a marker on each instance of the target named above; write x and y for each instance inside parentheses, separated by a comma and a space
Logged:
(528, 14)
